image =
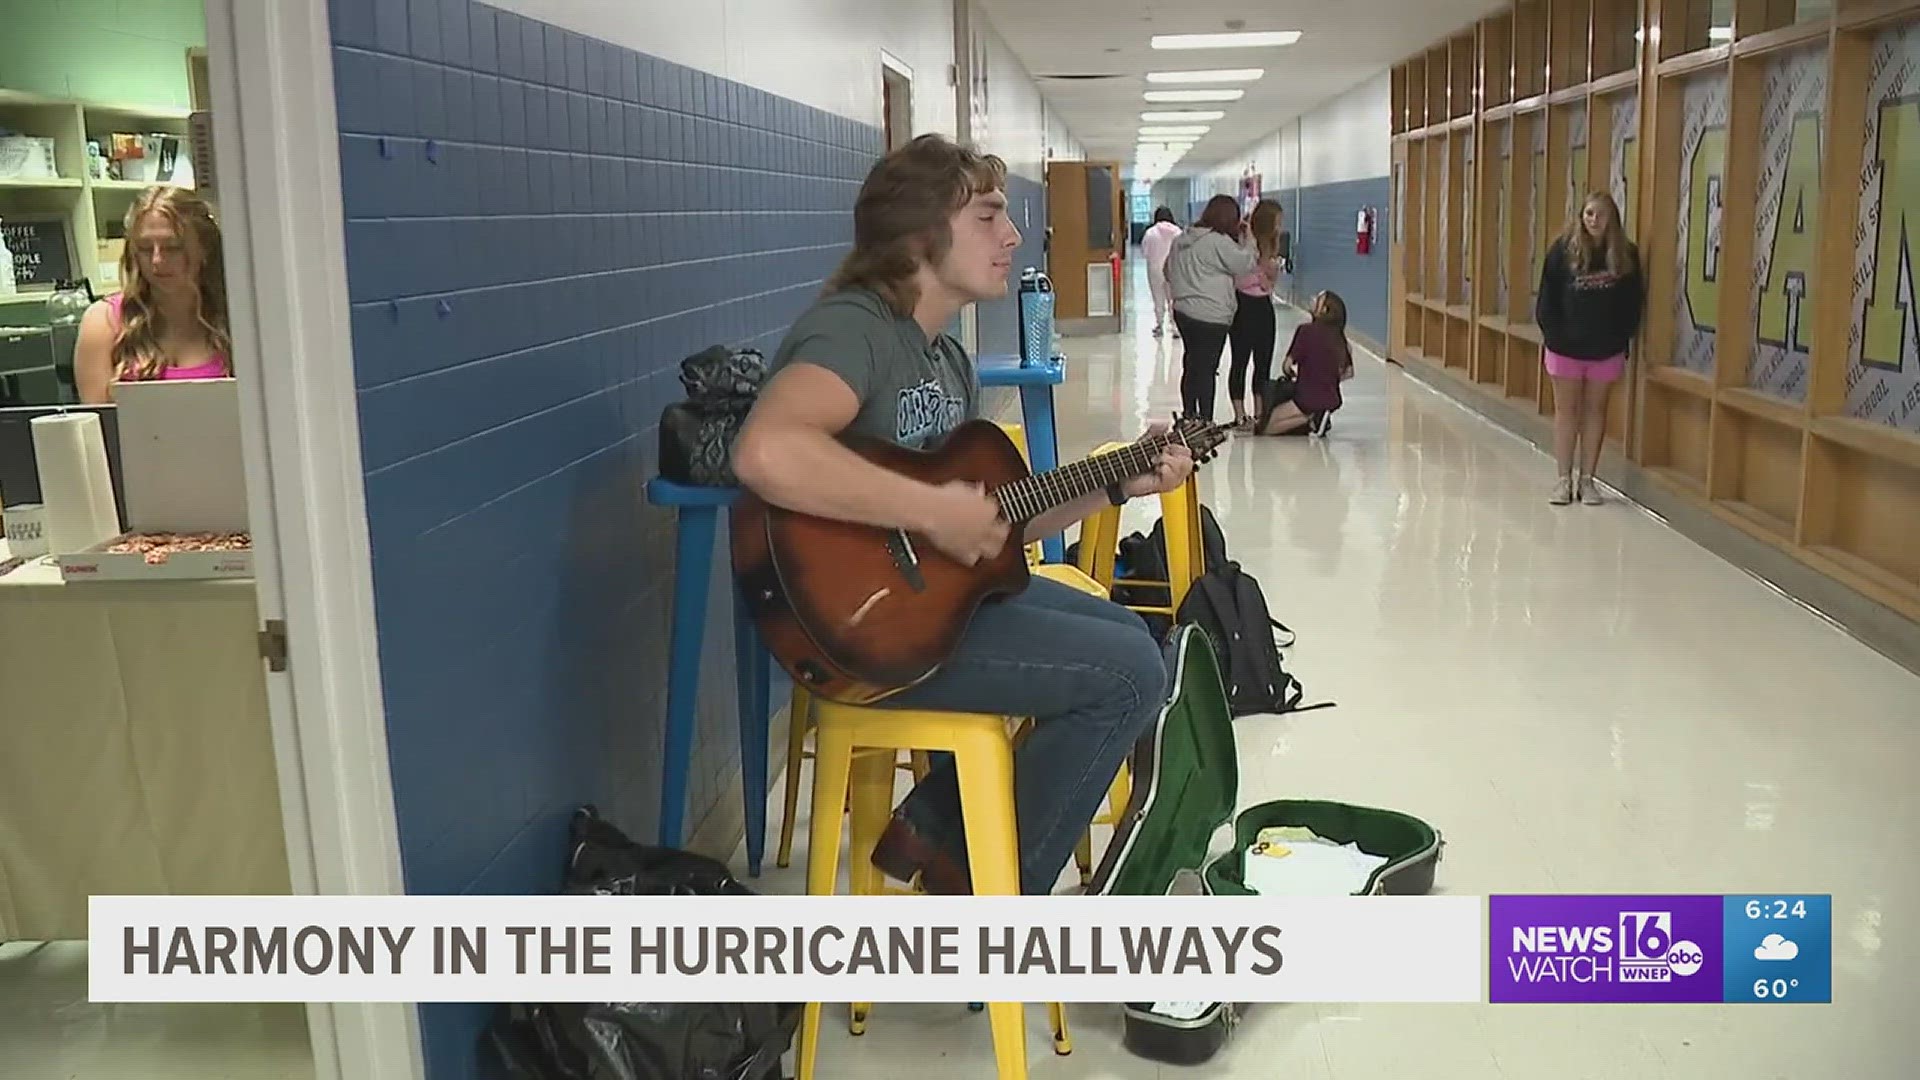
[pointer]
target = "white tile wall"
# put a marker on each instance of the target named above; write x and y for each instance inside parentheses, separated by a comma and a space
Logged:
(1021, 127)
(1348, 138)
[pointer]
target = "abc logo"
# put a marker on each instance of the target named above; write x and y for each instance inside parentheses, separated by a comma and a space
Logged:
(1685, 958)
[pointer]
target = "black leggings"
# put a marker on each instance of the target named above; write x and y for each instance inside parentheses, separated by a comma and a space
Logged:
(1201, 343)
(1253, 332)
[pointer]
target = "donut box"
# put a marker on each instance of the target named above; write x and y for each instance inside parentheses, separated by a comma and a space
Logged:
(185, 483)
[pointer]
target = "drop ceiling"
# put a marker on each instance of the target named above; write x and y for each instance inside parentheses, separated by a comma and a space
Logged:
(1091, 59)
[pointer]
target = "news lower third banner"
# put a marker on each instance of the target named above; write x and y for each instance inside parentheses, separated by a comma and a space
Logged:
(1613, 949)
(783, 948)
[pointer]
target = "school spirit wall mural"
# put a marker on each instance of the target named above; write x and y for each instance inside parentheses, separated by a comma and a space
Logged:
(1703, 160)
(1883, 345)
(1786, 215)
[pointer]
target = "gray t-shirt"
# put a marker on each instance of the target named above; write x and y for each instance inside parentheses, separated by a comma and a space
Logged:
(911, 390)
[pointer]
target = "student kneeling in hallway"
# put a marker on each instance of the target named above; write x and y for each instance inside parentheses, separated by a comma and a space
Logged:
(1307, 394)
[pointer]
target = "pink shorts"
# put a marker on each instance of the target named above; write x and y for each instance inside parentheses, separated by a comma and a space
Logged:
(1600, 371)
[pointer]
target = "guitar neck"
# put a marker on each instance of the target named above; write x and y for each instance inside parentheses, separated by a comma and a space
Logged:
(1024, 500)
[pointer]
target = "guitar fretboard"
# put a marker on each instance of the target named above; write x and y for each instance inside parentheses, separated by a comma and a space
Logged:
(1024, 500)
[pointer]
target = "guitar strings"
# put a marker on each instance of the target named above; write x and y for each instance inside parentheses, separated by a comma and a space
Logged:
(1025, 499)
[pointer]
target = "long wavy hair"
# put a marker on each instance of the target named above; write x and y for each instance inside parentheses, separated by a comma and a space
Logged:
(903, 216)
(137, 354)
(1330, 310)
(1582, 249)
(1264, 224)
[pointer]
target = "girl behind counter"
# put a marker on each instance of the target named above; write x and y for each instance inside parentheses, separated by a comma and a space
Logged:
(169, 320)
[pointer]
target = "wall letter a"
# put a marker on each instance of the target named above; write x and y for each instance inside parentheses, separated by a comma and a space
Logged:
(1784, 303)
(1890, 306)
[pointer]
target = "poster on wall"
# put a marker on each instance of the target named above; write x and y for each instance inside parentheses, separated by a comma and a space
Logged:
(1577, 165)
(1464, 286)
(1438, 283)
(1399, 201)
(1883, 340)
(1536, 193)
(1623, 156)
(1785, 217)
(1703, 157)
(1501, 204)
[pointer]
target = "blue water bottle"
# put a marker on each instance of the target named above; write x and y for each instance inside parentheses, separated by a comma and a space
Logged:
(1036, 318)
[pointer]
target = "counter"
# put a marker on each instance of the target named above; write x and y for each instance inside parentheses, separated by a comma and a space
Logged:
(136, 754)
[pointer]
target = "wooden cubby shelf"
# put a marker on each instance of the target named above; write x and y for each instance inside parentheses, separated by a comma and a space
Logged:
(1775, 380)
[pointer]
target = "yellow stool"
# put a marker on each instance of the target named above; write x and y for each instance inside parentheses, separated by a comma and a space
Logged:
(1186, 550)
(854, 765)
(800, 722)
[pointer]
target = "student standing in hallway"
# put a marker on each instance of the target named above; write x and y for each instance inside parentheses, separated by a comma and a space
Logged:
(1156, 245)
(872, 357)
(1591, 299)
(1200, 272)
(1254, 326)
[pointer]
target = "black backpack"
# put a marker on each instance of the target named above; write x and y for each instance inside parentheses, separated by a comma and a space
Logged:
(1226, 603)
(1144, 558)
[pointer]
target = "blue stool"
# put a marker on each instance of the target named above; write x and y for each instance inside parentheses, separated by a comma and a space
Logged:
(698, 510)
(1036, 412)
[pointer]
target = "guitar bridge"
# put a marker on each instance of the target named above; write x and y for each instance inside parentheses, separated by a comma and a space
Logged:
(905, 560)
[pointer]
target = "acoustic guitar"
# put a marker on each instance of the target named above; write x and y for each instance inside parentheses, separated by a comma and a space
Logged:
(856, 613)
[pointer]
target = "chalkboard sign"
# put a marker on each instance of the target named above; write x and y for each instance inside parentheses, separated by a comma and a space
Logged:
(41, 254)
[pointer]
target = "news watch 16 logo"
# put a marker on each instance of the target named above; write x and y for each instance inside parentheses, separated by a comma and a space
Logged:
(1648, 952)
(1605, 949)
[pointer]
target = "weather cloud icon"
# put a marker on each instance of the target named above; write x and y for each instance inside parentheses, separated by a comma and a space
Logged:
(1775, 947)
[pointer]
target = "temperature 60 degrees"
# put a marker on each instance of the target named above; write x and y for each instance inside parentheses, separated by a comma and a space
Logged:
(1773, 988)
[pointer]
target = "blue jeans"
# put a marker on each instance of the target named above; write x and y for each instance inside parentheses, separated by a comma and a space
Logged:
(1089, 673)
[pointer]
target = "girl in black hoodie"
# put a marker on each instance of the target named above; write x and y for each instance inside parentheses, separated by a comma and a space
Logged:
(1592, 296)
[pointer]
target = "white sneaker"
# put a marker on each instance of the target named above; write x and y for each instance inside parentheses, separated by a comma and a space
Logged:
(1589, 492)
(1562, 491)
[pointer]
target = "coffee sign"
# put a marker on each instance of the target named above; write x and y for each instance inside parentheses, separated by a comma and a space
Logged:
(41, 254)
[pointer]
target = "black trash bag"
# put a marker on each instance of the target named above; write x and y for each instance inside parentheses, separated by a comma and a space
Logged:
(696, 435)
(642, 1040)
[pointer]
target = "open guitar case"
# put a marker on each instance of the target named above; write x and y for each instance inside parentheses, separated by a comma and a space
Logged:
(1167, 850)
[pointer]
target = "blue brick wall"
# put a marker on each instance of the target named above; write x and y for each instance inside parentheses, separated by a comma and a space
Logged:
(540, 226)
(1321, 220)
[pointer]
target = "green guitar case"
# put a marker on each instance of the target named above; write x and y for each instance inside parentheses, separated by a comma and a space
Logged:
(1192, 754)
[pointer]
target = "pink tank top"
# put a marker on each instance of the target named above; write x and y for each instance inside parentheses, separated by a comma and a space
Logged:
(215, 366)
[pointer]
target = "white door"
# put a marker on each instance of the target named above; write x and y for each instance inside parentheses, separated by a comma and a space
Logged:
(277, 185)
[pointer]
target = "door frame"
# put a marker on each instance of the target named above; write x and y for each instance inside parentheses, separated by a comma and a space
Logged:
(276, 151)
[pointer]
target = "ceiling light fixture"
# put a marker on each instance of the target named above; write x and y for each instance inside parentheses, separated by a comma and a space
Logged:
(1217, 75)
(1193, 129)
(1249, 40)
(1195, 95)
(1181, 117)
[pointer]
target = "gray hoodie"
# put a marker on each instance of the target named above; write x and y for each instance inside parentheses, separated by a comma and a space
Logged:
(1200, 273)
